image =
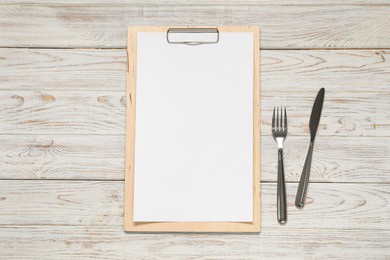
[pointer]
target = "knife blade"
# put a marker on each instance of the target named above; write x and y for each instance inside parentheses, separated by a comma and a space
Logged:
(316, 114)
(313, 126)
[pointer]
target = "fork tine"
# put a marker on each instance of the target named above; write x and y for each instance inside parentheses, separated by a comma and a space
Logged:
(281, 119)
(285, 119)
(277, 118)
(273, 120)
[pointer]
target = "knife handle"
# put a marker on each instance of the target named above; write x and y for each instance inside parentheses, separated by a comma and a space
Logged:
(281, 193)
(304, 181)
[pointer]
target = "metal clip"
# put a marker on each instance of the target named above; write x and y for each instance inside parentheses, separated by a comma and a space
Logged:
(193, 30)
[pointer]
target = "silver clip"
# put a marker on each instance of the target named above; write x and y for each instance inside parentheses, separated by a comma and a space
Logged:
(193, 30)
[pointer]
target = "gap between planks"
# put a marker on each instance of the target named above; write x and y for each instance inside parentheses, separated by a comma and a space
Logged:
(122, 180)
(121, 135)
(205, 4)
(91, 48)
(281, 228)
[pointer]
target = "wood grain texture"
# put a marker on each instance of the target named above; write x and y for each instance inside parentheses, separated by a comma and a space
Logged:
(81, 203)
(103, 112)
(343, 114)
(62, 69)
(281, 70)
(101, 157)
(282, 26)
(77, 134)
(62, 157)
(62, 112)
(72, 242)
(32, 242)
(68, 203)
(336, 70)
(335, 159)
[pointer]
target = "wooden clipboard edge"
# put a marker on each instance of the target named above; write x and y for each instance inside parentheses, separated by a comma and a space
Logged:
(129, 225)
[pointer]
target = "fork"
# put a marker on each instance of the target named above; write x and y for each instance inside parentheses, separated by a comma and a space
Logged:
(279, 133)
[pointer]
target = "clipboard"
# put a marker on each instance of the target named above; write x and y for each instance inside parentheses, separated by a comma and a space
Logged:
(187, 226)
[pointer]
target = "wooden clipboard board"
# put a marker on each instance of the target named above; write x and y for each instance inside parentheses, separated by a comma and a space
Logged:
(129, 224)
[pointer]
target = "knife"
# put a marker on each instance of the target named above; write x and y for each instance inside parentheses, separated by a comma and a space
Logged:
(313, 125)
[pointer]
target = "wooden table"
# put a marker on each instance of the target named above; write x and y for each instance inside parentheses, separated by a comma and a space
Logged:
(62, 125)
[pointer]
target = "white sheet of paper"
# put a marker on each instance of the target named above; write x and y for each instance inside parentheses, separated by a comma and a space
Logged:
(194, 130)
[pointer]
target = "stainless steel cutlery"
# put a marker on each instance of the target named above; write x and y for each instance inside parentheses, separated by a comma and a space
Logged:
(313, 125)
(279, 133)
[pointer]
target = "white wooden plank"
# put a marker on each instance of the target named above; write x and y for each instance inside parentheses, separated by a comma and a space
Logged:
(103, 112)
(86, 157)
(336, 70)
(281, 70)
(70, 242)
(329, 205)
(343, 114)
(62, 112)
(282, 26)
(335, 159)
(63, 69)
(62, 157)
(62, 202)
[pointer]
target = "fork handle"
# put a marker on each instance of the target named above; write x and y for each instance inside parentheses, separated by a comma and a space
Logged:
(304, 181)
(281, 195)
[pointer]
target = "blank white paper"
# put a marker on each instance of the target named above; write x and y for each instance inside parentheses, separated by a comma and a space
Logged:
(194, 130)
